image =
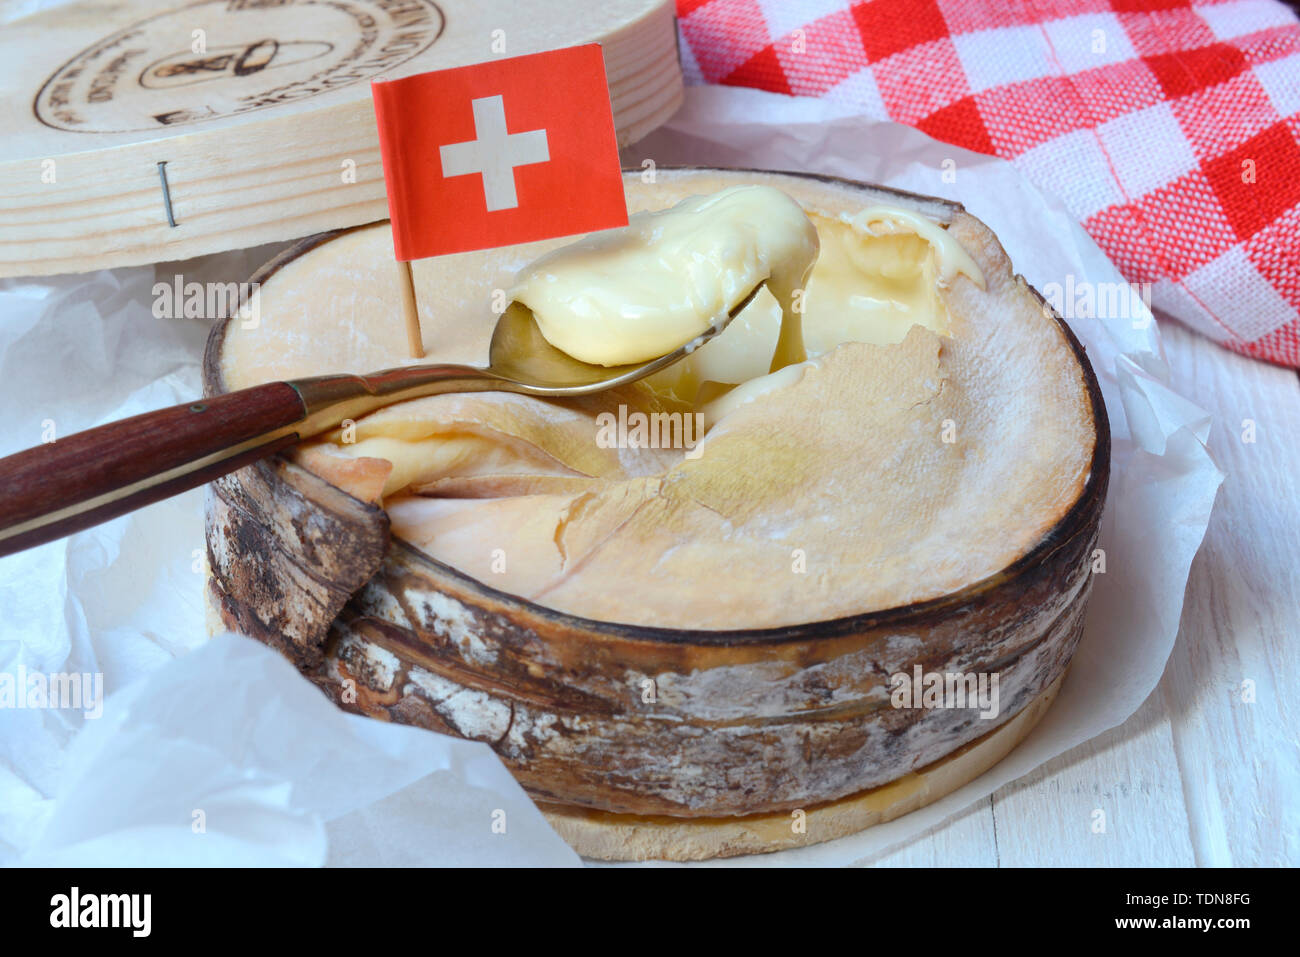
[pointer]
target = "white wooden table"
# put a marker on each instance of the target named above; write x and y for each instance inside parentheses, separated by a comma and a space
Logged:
(1201, 774)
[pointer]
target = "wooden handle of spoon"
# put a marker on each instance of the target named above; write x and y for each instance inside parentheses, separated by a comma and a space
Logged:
(87, 478)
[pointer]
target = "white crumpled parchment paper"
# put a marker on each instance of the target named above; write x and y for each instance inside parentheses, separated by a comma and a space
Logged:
(217, 752)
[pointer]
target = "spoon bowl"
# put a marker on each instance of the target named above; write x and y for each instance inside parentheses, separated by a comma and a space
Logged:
(519, 352)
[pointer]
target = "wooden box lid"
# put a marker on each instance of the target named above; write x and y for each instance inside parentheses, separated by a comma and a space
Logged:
(268, 133)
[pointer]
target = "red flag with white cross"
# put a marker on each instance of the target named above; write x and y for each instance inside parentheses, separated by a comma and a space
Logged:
(503, 152)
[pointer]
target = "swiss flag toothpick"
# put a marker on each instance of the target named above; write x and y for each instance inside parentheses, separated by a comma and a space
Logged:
(503, 152)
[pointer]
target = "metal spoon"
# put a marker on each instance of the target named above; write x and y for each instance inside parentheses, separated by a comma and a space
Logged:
(89, 477)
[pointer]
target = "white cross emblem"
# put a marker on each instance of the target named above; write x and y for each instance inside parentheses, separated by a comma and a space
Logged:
(494, 153)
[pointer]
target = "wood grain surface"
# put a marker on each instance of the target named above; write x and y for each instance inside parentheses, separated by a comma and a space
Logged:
(125, 145)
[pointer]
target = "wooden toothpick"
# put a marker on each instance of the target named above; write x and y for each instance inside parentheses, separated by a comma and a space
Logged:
(414, 338)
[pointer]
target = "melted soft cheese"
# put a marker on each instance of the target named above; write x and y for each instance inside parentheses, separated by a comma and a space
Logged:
(877, 274)
(637, 293)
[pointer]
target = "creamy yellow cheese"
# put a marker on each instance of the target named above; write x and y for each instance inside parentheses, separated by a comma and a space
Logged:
(637, 293)
(633, 294)
(877, 274)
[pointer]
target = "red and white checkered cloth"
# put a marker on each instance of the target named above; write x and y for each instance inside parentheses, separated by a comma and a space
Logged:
(1168, 127)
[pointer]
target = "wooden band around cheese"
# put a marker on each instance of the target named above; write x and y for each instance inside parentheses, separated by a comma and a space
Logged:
(603, 836)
